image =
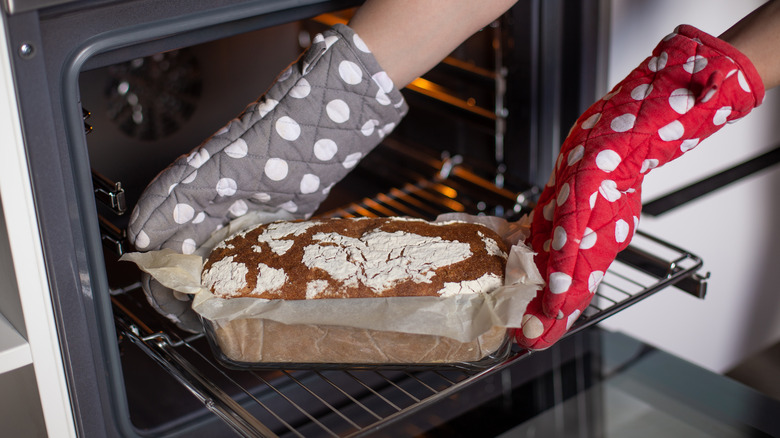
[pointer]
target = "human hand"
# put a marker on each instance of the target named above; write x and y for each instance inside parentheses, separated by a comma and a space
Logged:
(282, 155)
(689, 88)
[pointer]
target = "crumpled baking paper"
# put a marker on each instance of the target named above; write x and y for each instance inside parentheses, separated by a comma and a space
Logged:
(461, 317)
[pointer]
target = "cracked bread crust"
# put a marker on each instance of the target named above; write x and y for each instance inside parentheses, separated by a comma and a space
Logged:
(356, 258)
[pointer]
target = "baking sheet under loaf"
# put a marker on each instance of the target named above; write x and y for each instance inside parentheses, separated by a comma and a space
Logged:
(473, 324)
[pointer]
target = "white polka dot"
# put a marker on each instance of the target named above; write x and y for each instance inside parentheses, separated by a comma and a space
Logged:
(386, 130)
(325, 149)
(551, 180)
(337, 110)
(673, 131)
(743, 81)
(190, 178)
(188, 246)
(623, 122)
(594, 279)
(621, 231)
(330, 40)
(682, 100)
(689, 144)
(172, 186)
(382, 98)
(695, 64)
(237, 149)
(318, 39)
(285, 75)
(289, 206)
(287, 128)
(352, 159)
(592, 199)
(360, 44)
(301, 89)
(721, 115)
(648, 164)
(266, 106)
(183, 213)
(261, 197)
(658, 62)
(609, 191)
(708, 95)
(572, 318)
(368, 127)
(611, 94)
(546, 245)
(350, 72)
(310, 183)
(326, 190)
(276, 169)
(590, 122)
(141, 240)
(200, 217)
(198, 158)
(636, 225)
(563, 194)
(641, 92)
(608, 160)
(226, 187)
(532, 327)
(559, 282)
(238, 208)
(548, 210)
(576, 154)
(588, 239)
(559, 238)
(384, 81)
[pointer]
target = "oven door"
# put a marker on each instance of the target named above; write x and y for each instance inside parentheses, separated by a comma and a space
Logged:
(130, 372)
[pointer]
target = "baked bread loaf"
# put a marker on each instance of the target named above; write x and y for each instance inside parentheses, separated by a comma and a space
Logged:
(356, 258)
(352, 258)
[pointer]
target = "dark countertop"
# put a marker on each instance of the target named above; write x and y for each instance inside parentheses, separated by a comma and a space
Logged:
(593, 384)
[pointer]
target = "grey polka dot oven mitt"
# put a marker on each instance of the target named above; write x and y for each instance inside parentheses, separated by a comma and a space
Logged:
(282, 154)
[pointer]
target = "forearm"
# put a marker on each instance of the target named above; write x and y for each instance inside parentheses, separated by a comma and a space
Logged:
(409, 37)
(758, 37)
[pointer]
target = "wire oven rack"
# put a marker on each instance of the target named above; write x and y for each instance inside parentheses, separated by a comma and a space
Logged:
(351, 402)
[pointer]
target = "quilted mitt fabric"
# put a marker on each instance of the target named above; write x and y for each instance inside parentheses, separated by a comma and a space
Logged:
(689, 88)
(284, 153)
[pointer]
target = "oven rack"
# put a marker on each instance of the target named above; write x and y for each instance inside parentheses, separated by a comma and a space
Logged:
(357, 402)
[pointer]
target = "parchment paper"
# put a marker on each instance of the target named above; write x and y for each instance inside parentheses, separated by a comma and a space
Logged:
(461, 317)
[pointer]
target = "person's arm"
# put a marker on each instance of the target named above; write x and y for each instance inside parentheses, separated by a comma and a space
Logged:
(409, 37)
(758, 37)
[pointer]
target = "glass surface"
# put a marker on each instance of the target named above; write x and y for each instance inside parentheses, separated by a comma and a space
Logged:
(598, 384)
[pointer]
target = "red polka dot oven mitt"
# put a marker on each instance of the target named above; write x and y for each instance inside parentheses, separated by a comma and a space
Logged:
(689, 88)
(283, 154)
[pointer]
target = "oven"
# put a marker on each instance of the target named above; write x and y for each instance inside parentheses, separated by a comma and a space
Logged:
(106, 93)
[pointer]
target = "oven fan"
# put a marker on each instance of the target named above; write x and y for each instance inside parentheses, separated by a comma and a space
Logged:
(151, 98)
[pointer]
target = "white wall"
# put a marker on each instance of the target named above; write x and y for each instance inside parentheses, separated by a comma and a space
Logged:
(734, 229)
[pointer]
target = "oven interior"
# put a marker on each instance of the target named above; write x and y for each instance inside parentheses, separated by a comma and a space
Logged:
(479, 134)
